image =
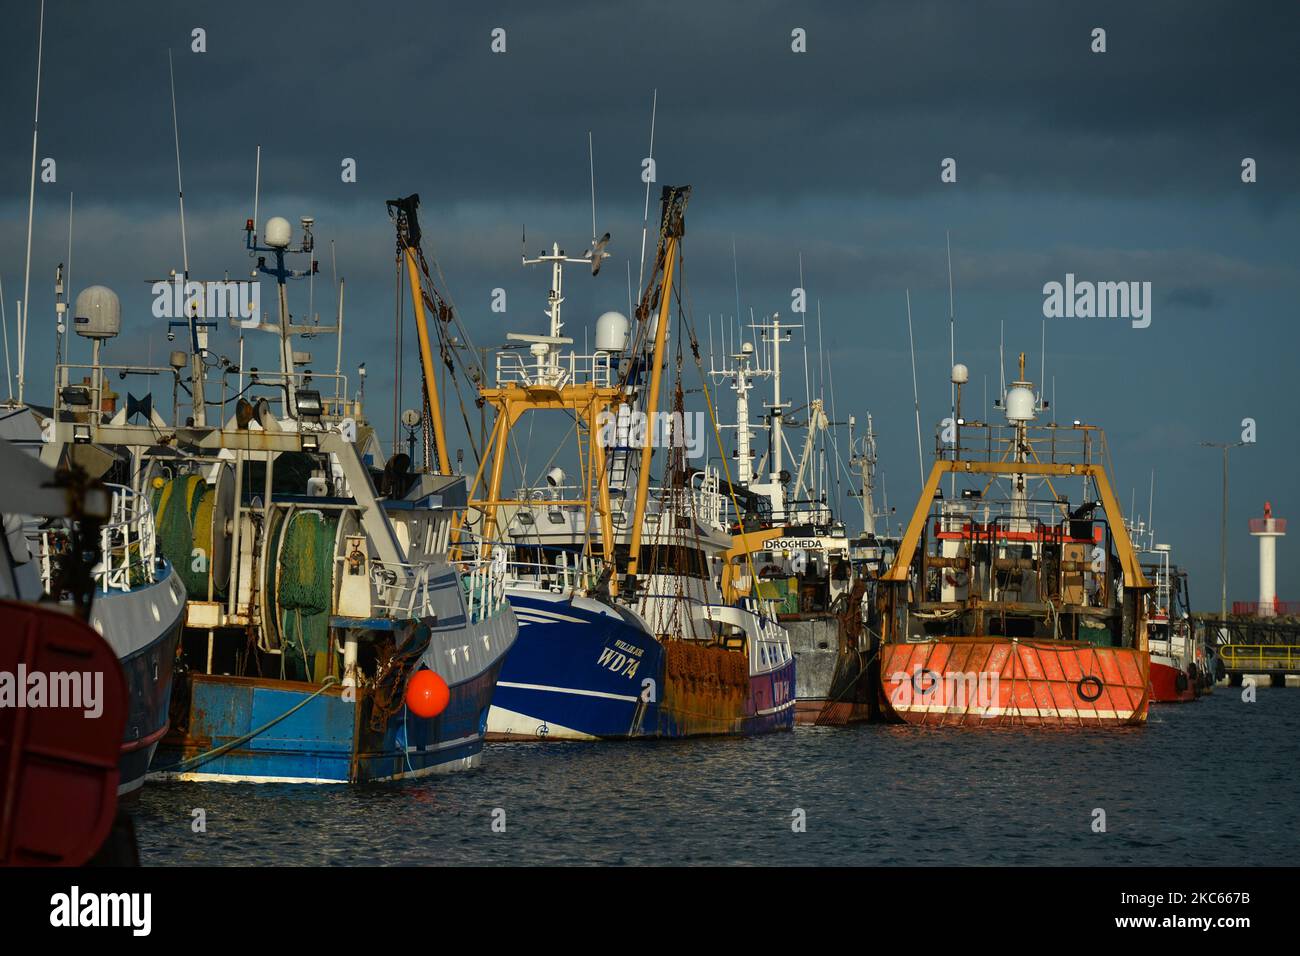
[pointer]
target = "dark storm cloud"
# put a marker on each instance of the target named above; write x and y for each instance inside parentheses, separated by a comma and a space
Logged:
(886, 90)
(1120, 166)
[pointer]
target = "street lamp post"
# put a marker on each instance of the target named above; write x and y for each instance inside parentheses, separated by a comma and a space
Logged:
(1223, 527)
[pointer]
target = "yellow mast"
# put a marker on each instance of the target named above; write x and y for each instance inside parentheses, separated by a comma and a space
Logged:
(674, 206)
(426, 363)
(404, 215)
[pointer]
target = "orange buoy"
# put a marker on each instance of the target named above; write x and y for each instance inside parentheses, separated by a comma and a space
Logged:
(427, 694)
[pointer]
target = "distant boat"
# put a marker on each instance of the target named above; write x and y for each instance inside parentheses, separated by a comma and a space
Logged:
(1176, 673)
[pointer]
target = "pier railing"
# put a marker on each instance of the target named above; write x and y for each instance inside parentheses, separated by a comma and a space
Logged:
(1263, 658)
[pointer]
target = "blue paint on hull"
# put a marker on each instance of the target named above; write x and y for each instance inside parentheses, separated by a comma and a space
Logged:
(316, 743)
(329, 739)
(583, 671)
(584, 675)
(148, 671)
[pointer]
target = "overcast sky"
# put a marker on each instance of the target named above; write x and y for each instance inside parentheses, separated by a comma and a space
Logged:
(1124, 165)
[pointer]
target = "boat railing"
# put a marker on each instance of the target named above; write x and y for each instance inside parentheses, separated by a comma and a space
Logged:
(80, 399)
(702, 501)
(401, 591)
(484, 586)
(582, 574)
(554, 370)
(1045, 516)
(127, 545)
(1048, 443)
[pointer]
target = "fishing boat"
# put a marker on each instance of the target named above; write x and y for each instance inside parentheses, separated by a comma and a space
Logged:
(327, 638)
(64, 699)
(623, 630)
(139, 608)
(1177, 672)
(823, 588)
(138, 602)
(1006, 605)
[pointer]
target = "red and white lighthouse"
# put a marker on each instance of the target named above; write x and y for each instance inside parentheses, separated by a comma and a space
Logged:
(1267, 529)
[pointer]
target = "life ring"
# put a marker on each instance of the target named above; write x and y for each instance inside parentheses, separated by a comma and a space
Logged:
(1089, 680)
(934, 681)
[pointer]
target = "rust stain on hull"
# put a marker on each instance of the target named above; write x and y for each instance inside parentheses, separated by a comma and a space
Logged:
(705, 689)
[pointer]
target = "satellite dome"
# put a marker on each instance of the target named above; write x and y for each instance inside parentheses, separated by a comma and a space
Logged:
(611, 332)
(98, 313)
(278, 233)
(1020, 403)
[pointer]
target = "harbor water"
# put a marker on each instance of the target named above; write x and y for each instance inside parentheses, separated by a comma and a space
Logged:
(1210, 782)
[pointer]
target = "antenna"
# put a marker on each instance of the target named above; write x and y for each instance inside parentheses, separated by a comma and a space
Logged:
(591, 164)
(645, 218)
(338, 323)
(735, 273)
(4, 321)
(31, 208)
(807, 383)
(67, 278)
(1002, 361)
(257, 179)
(952, 347)
(1042, 359)
(1151, 507)
(952, 327)
(180, 190)
(916, 400)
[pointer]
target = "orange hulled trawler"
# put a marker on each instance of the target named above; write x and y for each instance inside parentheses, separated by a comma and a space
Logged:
(1007, 604)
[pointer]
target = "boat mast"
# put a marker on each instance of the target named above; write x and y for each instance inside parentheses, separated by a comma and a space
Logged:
(864, 460)
(674, 208)
(31, 209)
(742, 383)
(407, 221)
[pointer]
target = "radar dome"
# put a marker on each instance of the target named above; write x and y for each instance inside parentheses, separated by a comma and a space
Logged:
(960, 374)
(1020, 403)
(278, 232)
(611, 332)
(98, 313)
